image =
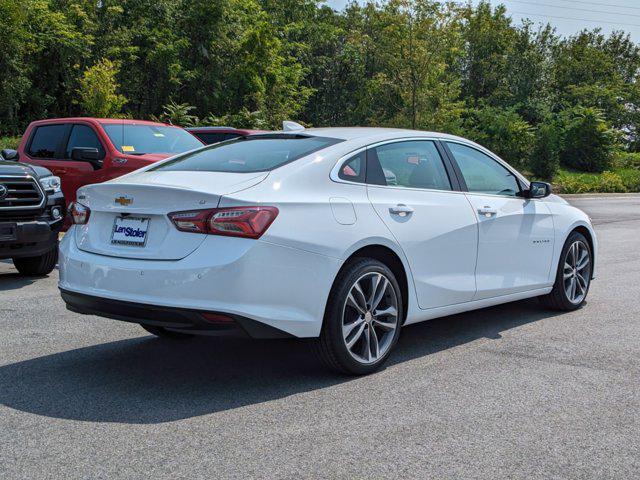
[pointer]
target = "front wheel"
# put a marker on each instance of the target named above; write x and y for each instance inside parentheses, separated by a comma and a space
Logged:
(363, 318)
(37, 266)
(573, 276)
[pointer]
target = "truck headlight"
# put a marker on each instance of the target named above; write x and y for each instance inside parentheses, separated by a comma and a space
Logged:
(50, 184)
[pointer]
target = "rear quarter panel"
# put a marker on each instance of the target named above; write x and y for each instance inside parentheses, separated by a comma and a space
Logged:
(315, 213)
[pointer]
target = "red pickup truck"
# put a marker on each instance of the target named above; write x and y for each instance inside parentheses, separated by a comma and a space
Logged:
(92, 150)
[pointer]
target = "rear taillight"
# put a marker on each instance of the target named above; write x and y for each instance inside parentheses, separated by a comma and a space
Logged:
(248, 222)
(79, 213)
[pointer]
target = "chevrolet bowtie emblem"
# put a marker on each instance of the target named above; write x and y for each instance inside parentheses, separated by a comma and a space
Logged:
(124, 201)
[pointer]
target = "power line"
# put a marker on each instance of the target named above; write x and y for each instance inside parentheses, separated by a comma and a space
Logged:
(600, 4)
(576, 19)
(572, 8)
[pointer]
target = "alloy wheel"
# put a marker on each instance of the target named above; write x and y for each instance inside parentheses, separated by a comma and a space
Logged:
(577, 272)
(370, 317)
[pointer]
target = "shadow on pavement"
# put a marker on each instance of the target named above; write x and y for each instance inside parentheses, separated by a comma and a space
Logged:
(14, 281)
(148, 380)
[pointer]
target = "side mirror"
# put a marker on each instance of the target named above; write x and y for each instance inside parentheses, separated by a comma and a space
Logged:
(538, 190)
(85, 154)
(10, 154)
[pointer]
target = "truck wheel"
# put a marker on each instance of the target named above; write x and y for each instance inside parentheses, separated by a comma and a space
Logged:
(37, 266)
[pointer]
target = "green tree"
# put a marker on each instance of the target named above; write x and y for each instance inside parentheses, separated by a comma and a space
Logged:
(588, 142)
(504, 132)
(98, 90)
(544, 160)
(14, 80)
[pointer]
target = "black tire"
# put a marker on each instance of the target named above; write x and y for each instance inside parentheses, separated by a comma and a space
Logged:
(162, 332)
(37, 266)
(558, 299)
(331, 345)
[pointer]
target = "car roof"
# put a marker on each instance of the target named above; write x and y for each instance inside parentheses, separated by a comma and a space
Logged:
(220, 129)
(373, 133)
(126, 121)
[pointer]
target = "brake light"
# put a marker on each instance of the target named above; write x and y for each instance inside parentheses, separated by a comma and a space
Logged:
(79, 213)
(247, 222)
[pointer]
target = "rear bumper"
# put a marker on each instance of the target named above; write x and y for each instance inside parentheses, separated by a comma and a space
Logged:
(175, 319)
(281, 287)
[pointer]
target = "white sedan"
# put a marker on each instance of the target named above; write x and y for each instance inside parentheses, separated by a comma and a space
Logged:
(340, 234)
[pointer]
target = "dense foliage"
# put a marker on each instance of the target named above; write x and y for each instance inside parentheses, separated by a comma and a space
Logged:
(539, 100)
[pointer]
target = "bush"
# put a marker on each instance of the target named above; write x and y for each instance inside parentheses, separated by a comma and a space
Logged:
(177, 114)
(627, 160)
(606, 182)
(588, 142)
(545, 157)
(631, 179)
(9, 142)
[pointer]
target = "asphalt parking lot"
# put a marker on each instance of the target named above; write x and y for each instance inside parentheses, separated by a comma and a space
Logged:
(508, 392)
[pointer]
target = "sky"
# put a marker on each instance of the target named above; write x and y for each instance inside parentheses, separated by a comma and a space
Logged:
(568, 16)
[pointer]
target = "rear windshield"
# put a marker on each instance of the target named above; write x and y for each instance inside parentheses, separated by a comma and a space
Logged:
(249, 154)
(141, 139)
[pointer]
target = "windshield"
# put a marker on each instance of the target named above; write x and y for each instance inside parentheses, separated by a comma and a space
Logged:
(140, 139)
(258, 153)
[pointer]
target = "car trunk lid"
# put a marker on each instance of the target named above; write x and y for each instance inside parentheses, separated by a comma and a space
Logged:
(144, 200)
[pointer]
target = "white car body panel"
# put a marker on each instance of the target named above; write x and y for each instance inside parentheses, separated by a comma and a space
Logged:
(515, 245)
(454, 260)
(440, 239)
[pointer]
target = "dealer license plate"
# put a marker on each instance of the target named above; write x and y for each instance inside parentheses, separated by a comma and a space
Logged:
(130, 231)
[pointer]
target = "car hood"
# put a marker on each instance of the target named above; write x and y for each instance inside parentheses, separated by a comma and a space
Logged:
(8, 167)
(150, 157)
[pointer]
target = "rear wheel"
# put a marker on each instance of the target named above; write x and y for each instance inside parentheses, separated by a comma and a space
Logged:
(573, 276)
(37, 266)
(164, 333)
(363, 318)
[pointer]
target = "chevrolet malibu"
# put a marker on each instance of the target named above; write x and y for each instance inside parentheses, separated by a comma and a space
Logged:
(344, 235)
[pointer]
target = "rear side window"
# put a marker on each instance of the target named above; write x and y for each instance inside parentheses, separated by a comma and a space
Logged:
(249, 154)
(353, 168)
(413, 164)
(210, 138)
(45, 140)
(83, 136)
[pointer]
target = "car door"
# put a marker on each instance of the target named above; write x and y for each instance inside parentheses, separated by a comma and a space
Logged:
(413, 190)
(74, 173)
(516, 234)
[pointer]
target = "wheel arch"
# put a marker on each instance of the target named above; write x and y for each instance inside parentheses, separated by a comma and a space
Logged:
(392, 259)
(589, 235)
(585, 228)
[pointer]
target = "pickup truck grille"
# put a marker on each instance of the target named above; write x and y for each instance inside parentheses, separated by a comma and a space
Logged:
(20, 193)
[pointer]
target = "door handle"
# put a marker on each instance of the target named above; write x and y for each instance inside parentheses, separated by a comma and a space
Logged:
(487, 211)
(61, 171)
(401, 210)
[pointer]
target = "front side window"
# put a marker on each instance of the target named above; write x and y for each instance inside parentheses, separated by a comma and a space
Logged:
(83, 136)
(261, 153)
(139, 139)
(45, 140)
(483, 174)
(414, 164)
